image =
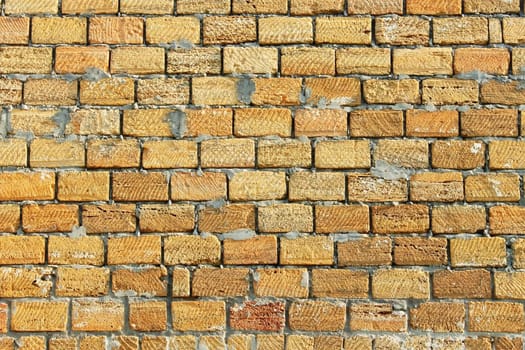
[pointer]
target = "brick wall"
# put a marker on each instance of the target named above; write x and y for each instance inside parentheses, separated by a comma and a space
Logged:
(262, 174)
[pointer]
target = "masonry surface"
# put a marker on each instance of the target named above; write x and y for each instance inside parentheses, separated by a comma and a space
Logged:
(262, 174)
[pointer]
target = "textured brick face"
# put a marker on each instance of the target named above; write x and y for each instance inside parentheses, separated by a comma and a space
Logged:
(262, 174)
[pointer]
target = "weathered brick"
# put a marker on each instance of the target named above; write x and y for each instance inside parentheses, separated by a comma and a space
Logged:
(87, 313)
(25, 60)
(136, 186)
(404, 218)
(260, 6)
(134, 250)
(31, 342)
(27, 186)
(255, 60)
(289, 282)
(13, 153)
(310, 250)
(460, 30)
(238, 153)
(506, 154)
(372, 123)
(374, 61)
(263, 122)
(438, 317)
(491, 61)
(169, 154)
(251, 251)
(258, 185)
(15, 30)
(257, 316)
(33, 122)
(198, 187)
(146, 7)
(50, 92)
(58, 30)
(148, 316)
(130, 342)
(63, 343)
(436, 187)
(513, 30)
(82, 282)
(72, 7)
(277, 91)
(421, 123)
(348, 154)
(10, 92)
(492, 188)
(508, 285)
(203, 6)
(49, 217)
(83, 186)
(163, 91)
(92, 342)
(109, 218)
(366, 251)
(458, 154)
(450, 91)
(285, 30)
(94, 121)
(402, 30)
(400, 284)
(333, 92)
(495, 31)
(307, 61)
(366, 188)
(317, 316)
(320, 122)
(137, 60)
(9, 218)
(458, 219)
(227, 218)
(489, 122)
(316, 186)
(331, 283)
(402, 153)
(506, 219)
(107, 92)
(427, 7)
(312, 7)
(518, 250)
(299, 341)
(505, 93)
(215, 91)
(358, 342)
(149, 281)
(56, 154)
(240, 341)
(502, 343)
(496, 317)
(343, 30)
(166, 218)
(423, 61)
(116, 30)
(377, 317)
(491, 6)
(31, 7)
(391, 91)
(198, 315)
(39, 316)
(113, 153)
(25, 282)
(80, 59)
(478, 252)
(181, 282)
(375, 7)
(341, 218)
(191, 250)
(167, 30)
(197, 60)
(468, 284)
(229, 29)
(270, 341)
(420, 251)
(75, 251)
(283, 153)
(223, 282)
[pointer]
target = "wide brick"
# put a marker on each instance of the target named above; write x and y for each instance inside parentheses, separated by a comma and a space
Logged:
(310, 250)
(258, 185)
(27, 186)
(203, 6)
(341, 218)
(10, 92)
(450, 91)
(56, 154)
(169, 154)
(229, 29)
(255, 60)
(343, 30)
(25, 282)
(366, 188)
(31, 7)
(15, 30)
(109, 218)
(9, 218)
(277, 91)
(146, 7)
(198, 315)
(377, 317)
(107, 92)
(72, 7)
(506, 154)
(167, 30)
(334, 92)
(135, 186)
(283, 153)
(312, 7)
(198, 187)
(285, 30)
(59, 30)
(75, 251)
(491, 6)
(505, 93)
(307, 61)
(290, 283)
(340, 283)
(263, 122)
(400, 284)
(420, 251)
(82, 282)
(373, 61)
(39, 316)
(348, 154)
(215, 91)
(134, 250)
(260, 6)
(150, 281)
(365, 251)
(113, 153)
(423, 61)
(489, 122)
(50, 92)
(49, 218)
(496, 317)
(402, 30)
(94, 121)
(320, 122)
(502, 343)
(316, 186)
(191, 250)
(391, 91)
(148, 316)
(166, 218)
(492, 188)
(513, 30)
(421, 123)
(299, 341)
(467, 284)
(460, 30)
(507, 219)
(239, 153)
(458, 219)
(251, 251)
(372, 123)
(63, 343)
(33, 122)
(30, 342)
(137, 60)
(87, 313)
(478, 252)
(258, 316)
(13, 153)
(116, 30)
(25, 60)
(508, 285)
(491, 61)
(317, 316)
(92, 342)
(436, 187)
(375, 7)
(223, 282)
(402, 153)
(428, 7)
(227, 218)
(83, 186)
(197, 60)
(458, 154)
(404, 218)
(78, 60)
(438, 317)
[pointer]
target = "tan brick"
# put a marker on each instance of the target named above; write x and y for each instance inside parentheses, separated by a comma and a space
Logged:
(258, 185)
(343, 30)
(83, 186)
(169, 154)
(505, 93)
(317, 316)
(478, 252)
(33, 122)
(427, 7)
(63, 343)
(113, 153)
(458, 154)
(375, 7)
(377, 317)
(260, 6)
(402, 153)
(191, 250)
(196, 187)
(148, 316)
(341, 218)
(402, 30)
(404, 218)
(198, 315)
(167, 30)
(238, 153)
(333, 92)
(107, 92)
(270, 341)
(146, 7)
(513, 30)
(150, 281)
(255, 60)
(31, 342)
(340, 283)
(39, 316)
(508, 285)
(307, 61)
(277, 91)
(87, 313)
(49, 217)
(13, 153)
(496, 317)
(289, 282)
(372, 123)
(163, 91)
(166, 218)
(518, 249)
(421, 123)
(367, 188)
(134, 250)
(92, 342)
(251, 251)
(298, 341)
(72, 7)
(31, 7)
(197, 60)
(506, 155)
(109, 218)
(391, 91)
(263, 122)
(400, 284)
(491, 61)
(310, 250)
(10, 92)
(124, 342)
(136, 186)
(349, 154)
(358, 342)
(257, 316)
(423, 61)
(75, 251)
(420, 251)
(502, 343)
(27, 186)
(468, 284)
(450, 91)
(316, 186)
(59, 30)
(492, 188)
(312, 7)
(50, 92)
(373, 61)
(458, 219)
(137, 60)
(25, 282)
(79, 59)
(56, 154)
(203, 6)
(491, 6)
(285, 30)
(495, 31)
(25, 60)
(436, 187)
(438, 317)
(460, 30)
(9, 218)
(223, 282)
(14, 30)
(481, 343)
(181, 282)
(320, 122)
(94, 121)
(227, 218)
(116, 30)
(489, 122)
(215, 91)
(506, 219)
(518, 60)
(229, 29)
(82, 282)
(283, 153)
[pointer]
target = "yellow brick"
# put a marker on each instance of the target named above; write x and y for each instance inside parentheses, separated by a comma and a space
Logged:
(290, 283)
(450, 91)
(197, 60)
(283, 153)
(518, 60)
(343, 30)
(285, 218)
(134, 250)
(313, 7)
(56, 154)
(167, 30)
(342, 154)
(229, 29)
(87, 313)
(513, 30)
(181, 282)
(116, 30)
(92, 342)
(215, 91)
(72, 7)
(113, 153)
(228, 153)
(82, 282)
(146, 7)
(125, 342)
(436, 187)
(372, 123)
(109, 218)
(460, 30)
(489, 122)
(410, 251)
(458, 219)
(372, 61)
(438, 317)
(9, 218)
(496, 317)
(31, 7)
(227, 218)
(209, 121)
(458, 154)
(358, 342)
(277, 91)
(311, 250)
(49, 217)
(341, 218)
(285, 30)
(14, 30)
(518, 250)
(191, 250)
(59, 30)
(79, 59)
(429, 7)
(492, 188)
(25, 60)
(367, 188)
(260, 6)
(240, 341)
(50, 92)
(10, 92)
(166, 218)
(136, 187)
(404, 218)
(107, 92)
(423, 61)
(495, 31)
(184, 342)
(27, 186)
(478, 252)
(198, 315)
(339, 283)
(22, 250)
(508, 285)
(506, 220)
(147, 122)
(307, 61)
(257, 250)
(63, 343)
(169, 154)
(220, 282)
(420, 123)
(402, 30)
(505, 93)
(491, 6)
(94, 121)
(391, 91)
(83, 186)
(402, 153)
(377, 317)
(257, 185)
(317, 186)
(13, 153)
(137, 60)
(491, 61)
(298, 342)
(317, 316)
(333, 91)
(149, 281)
(255, 60)
(400, 284)
(39, 316)
(263, 122)
(270, 341)
(76, 251)
(25, 282)
(148, 316)
(196, 187)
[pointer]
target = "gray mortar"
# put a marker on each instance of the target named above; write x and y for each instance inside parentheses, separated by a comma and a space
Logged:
(305, 95)
(4, 122)
(238, 235)
(178, 123)
(245, 89)
(61, 118)
(77, 232)
(95, 74)
(388, 171)
(476, 75)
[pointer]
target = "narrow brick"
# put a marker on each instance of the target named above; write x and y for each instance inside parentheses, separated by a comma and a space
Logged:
(285, 30)
(252, 251)
(78, 60)
(134, 250)
(478, 252)
(113, 153)
(9, 218)
(427, 7)
(59, 30)
(489, 122)
(377, 317)
(402, 30)
(277, 91)
(13, 153)
(56, 154)
(167, 30)
(343, 30)
(25, 60)
(191, 250)
(14, 30)
(491, 61)
(107, 92)
(254, 60)
(27, 186)
(316, 186)
(290, 283)
(116, 30)
(341, 218)
(49, 217)
(197, 60)
(420, 251)
(458, 219)
(332, 283)
(148, 316)
(423, 61)
(333, 92)
(309, 250)
(436, 187)
(258, 185)
(198, 315)
(372, 123)
(492, 188)
(25, 282)
(450, 91)
(400, 284)
(495, 31)
(458, 154)
(39, 316)
(307, 61)
(366, 251)
(496, 317)
(229, 29)
(181, 282)
(196, 187)
(420, 123)
(460, 30)
(82, 282)
(166, 218)
(223, 282)
(438, 317)
(317, 316)
(367, 188)
(83, 186)
(404, 218)
(87, 313)
(257, 316)
(263, 122)
(75, 251)
(148, 281)
(465, 284)
(227, 218)
(391, 91)
(109, 218)
(509, 285)
(10, 92)
(506, 220)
